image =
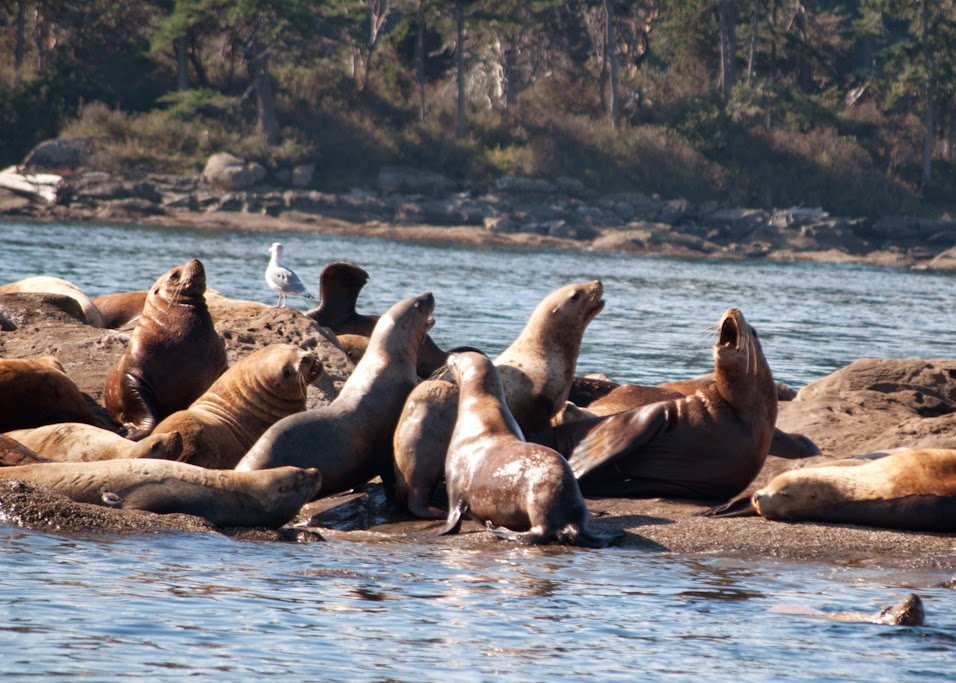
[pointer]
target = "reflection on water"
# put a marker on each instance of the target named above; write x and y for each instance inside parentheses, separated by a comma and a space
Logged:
(167, 605)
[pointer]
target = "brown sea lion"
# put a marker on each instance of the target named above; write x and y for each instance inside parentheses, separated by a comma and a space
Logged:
(339, 286)
(54, 285)
(224, 497)
(708, 445)
(622, 397)
(913, 490)
(12, 452)
(350, 440)
(39, 392)
(536, 370)
(258, 391)
(120, 309)
(174, 354)
(78, 442)
(522, 491)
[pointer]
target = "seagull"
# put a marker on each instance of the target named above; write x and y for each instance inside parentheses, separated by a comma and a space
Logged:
(282, 280)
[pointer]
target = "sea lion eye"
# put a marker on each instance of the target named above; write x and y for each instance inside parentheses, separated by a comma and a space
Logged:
(753, 332)
(575, 296)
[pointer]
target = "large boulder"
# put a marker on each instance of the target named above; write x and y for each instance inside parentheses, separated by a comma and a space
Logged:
(59, 155)
(226, 172)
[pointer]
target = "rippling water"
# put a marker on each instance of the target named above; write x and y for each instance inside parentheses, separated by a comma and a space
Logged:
(169, 606)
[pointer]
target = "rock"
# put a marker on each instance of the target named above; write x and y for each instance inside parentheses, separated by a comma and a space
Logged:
(400, 180)
(302, 175)
(524, 185)
(943, 261)
(226, 172)
(59, 154)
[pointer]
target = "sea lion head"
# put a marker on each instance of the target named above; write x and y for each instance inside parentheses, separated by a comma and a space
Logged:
(341, 279)
(742, 373)
(165, 446)
(402, 329)
(788, 494)
(474, 369)
(182, 284)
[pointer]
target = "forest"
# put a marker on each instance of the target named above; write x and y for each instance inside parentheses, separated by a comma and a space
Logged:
(845, 105)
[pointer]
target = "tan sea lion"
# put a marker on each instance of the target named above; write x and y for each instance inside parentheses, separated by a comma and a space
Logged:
(78, 442)
(913, 490)
(708, 445)
(54, 285)
(120, 309)
(536, 370)
(522, 491)
(350, 439)
(224, 497)
(174, 354)
(339, 286)
(907, 612)
(258, 391)
(12, 452)
(39, 392)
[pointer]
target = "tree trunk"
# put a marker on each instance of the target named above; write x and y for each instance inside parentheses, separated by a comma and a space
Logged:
(420, 58)
(727, 10)
(196, 60)
(929, 132)
(460, 68)
(773, 43)
(754, 23)
(257, 64)
(19, 47)
(182, 63)
(610, 43)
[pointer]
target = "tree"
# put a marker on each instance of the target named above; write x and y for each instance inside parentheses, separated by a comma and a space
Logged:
(727, 19)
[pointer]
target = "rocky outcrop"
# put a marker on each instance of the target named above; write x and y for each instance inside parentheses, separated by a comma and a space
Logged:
(226, 172)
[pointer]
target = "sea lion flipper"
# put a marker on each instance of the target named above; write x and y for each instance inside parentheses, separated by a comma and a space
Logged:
(792, 446)
(139, 401)
(451, 525)
(738, 507)
(527, 537)
(628, 431)
(110, 499)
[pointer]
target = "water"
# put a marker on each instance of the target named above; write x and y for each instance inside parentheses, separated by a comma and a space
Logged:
(167, 606)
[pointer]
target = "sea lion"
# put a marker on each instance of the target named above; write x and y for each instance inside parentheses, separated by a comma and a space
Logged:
(339, 286)
(907, 612)
(522, 491)
(120, 309)
(350, 440)
(223, 497)
(622, 397)
(708, 445)
(54, 285)
(78, 442)
(12, 452)
(258, 391)
(914, 490)
(174, 354)
(39, 392)
(536, 370)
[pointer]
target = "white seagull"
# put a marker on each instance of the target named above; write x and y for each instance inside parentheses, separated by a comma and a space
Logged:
(282, 280)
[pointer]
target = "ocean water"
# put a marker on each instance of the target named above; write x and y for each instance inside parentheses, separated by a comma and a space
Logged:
(171, 606)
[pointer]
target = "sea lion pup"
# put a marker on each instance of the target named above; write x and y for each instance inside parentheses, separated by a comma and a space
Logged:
(913, 490)
(350, 440)
(39, 392)
(54, 285)
(223, 497)
(248, 398)
(121, 308)
(536, 370)
(339, 286)
(522, 491)
(708, 445)
(174, 354)
(77, 442)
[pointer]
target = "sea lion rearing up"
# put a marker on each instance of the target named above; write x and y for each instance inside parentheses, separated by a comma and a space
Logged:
(339, 286)
(708, 445)
(224, 497)
(522, 491)
(350, 440)
(248, 398)
(174, 354)
(536, 370)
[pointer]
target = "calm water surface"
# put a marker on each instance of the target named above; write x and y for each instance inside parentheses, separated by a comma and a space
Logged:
(170, 606)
